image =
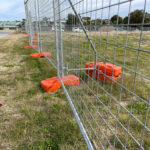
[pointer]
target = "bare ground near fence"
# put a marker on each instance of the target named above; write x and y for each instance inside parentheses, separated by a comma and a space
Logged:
(29, 117)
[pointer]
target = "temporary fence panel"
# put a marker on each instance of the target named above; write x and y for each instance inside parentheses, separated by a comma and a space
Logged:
(46, 19)
(32, 23)
(111, 103)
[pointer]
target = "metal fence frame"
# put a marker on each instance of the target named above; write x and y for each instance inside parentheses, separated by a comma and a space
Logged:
(34, 10)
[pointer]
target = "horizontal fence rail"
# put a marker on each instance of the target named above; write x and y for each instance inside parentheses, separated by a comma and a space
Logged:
(106, 44)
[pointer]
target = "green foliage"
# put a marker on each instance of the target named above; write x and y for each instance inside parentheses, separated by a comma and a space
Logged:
(86, 20)
(72, 20)
(125, 20)
(139, 107)
(23, 22)
(116, 19)
(136, 17)
(46, 120)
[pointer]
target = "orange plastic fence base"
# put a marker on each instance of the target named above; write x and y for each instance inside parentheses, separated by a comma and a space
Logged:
(34, 46)
(34, 41)
(112, 71)
(38, 55)
(52, 84)
(108, 79)
(28, 46)
(70, 80)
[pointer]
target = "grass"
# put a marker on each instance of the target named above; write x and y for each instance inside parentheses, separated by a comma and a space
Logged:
(77, 52)
(45, 120)
(31, 118)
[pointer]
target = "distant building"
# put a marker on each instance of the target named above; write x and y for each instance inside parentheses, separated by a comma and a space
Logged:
(10, 25)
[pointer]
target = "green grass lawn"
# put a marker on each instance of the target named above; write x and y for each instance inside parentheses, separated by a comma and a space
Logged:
(29, 117)
(110, 48)
(39, 120)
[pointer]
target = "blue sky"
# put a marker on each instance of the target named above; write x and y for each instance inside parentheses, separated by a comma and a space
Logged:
(11, 10)
(14, 9)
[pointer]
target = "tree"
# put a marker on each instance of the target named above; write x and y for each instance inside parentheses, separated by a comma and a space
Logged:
(96, 22)
(116, 18)
(125, 20)
(23, 22)
(45, 19)
(147, 18)
(72, 20)
(136, 17)
(86, 20)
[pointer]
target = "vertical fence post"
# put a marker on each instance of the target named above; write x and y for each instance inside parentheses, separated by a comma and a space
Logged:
(56, 37)
(37, 23)
(39, 27)
(30, 28)
(26, 22)
(60, 40)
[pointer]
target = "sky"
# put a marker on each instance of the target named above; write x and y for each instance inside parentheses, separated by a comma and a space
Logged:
(12, 10)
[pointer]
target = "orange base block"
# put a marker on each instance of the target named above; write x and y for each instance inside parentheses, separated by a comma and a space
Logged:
(111, 71)
(38, 55)
(108, 79)
(52, 84)
(34, 41)
(34, 46)
(70, 80)
(28, 46)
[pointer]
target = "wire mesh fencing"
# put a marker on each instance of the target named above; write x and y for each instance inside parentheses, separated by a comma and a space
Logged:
(106, 44)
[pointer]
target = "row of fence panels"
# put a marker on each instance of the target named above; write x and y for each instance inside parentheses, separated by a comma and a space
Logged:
(111, 108)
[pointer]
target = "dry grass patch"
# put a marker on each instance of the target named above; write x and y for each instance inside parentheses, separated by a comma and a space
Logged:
(29, 117)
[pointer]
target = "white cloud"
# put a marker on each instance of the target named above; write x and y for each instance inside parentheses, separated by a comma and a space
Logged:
(5, 6)
(11, 9)
(14, 9)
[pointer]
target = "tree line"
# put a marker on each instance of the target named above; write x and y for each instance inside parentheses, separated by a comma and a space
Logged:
(135, 17)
